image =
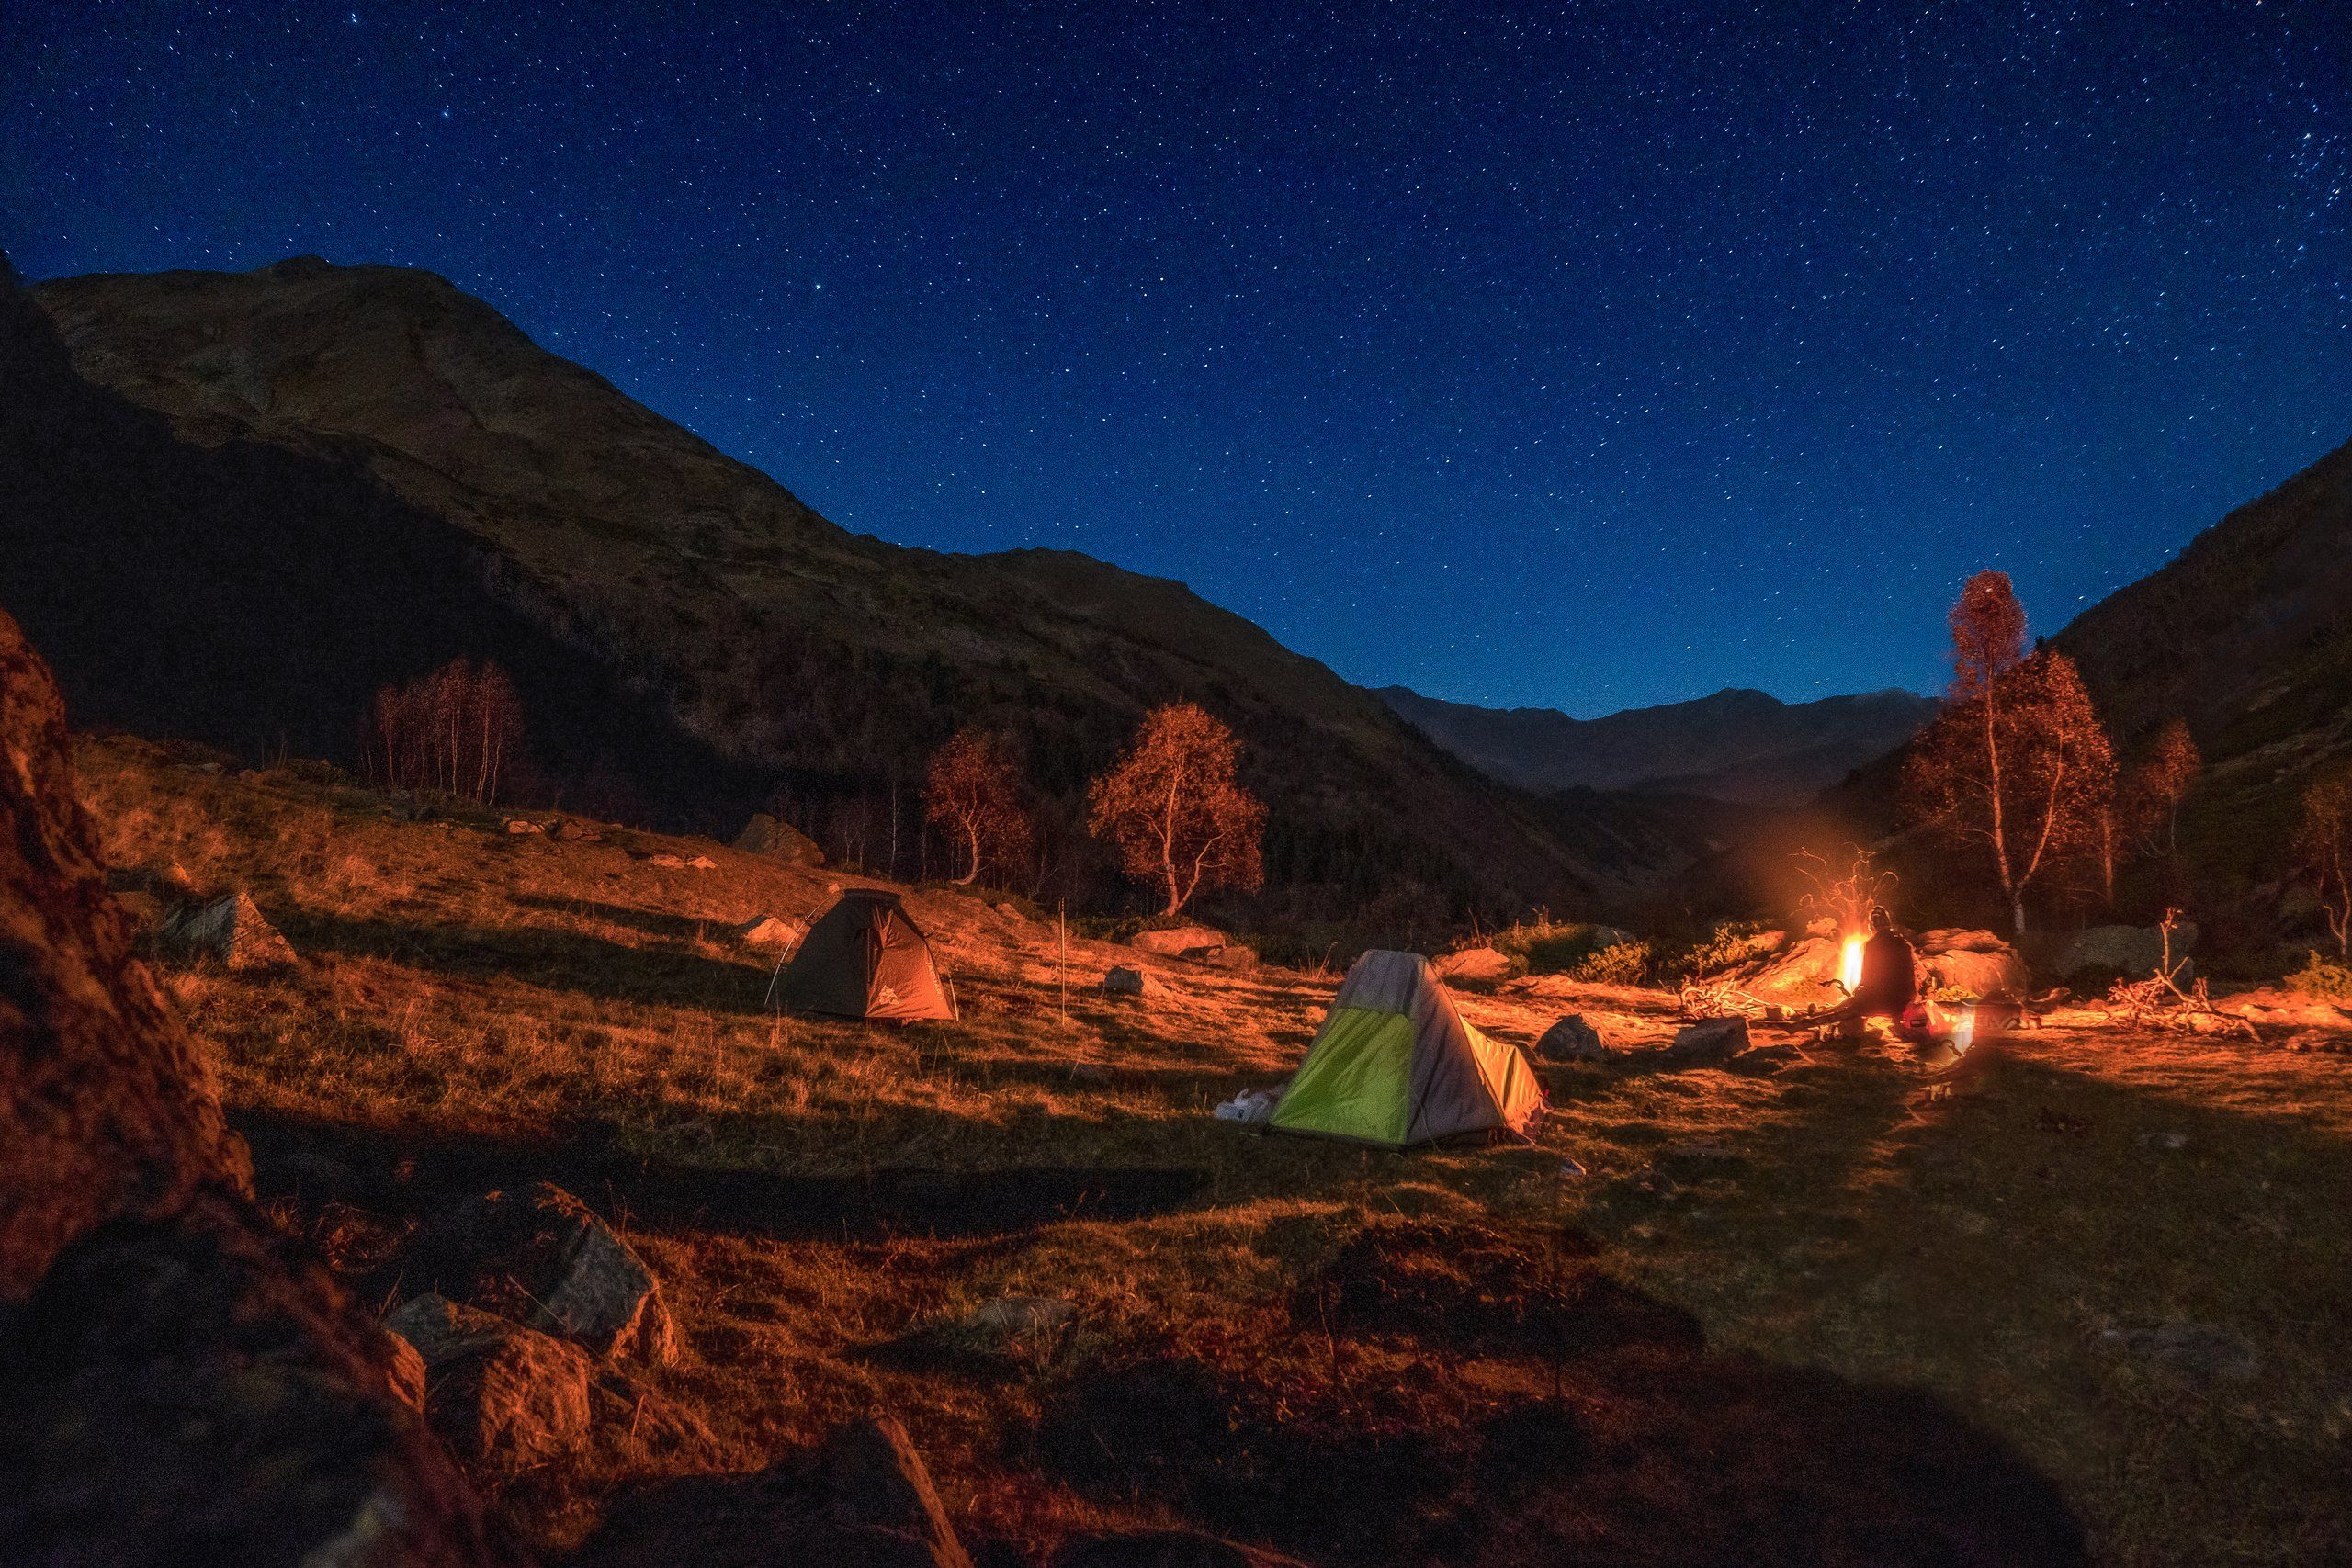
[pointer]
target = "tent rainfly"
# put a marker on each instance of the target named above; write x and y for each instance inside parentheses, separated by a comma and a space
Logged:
(1395, 1065)
(864, 958)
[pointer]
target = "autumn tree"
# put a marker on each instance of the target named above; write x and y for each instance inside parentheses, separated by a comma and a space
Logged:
(2017, 762)
(972, 793)
(1174, 810)
(2142, 813)
(2323, 850)
(457, 730)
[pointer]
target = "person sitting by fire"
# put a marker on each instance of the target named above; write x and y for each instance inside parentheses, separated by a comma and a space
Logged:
(1889, 985)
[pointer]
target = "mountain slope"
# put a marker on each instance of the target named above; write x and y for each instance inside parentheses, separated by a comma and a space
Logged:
(1737, 745)
(827, 661)
(2248, 635)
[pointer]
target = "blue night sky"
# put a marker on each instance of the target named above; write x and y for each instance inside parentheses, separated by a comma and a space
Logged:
(1585, 355)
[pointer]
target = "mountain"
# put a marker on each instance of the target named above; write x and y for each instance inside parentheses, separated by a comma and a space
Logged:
(362, 471)
(2246, 635)
(1737, 745)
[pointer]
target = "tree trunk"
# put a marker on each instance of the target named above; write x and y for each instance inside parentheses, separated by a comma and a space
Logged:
(972, 866)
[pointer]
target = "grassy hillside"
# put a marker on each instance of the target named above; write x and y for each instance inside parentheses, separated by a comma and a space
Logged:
(828, 662)
(1915, 1312)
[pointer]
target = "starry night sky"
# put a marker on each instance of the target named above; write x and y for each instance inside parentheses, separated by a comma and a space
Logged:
(1583, 356)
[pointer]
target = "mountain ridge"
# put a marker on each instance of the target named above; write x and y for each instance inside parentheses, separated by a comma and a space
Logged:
(793, 649)
(1738, 744)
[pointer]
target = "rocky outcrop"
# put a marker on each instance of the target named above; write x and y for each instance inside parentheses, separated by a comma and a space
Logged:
(1976, 962)
(764, 835)
(542, 1258)
(180, 1386)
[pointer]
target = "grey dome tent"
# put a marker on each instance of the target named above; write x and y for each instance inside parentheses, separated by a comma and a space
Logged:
(862, 958)
(1396, 1064)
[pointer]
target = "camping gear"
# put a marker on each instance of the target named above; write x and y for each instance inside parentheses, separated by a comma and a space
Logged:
(1395, 1065)
(1252, 1106)
(862, 958)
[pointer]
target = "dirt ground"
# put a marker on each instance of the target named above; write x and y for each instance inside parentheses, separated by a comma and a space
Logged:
(2088, 1306)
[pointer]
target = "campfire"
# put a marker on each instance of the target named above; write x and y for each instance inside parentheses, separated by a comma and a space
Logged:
(1850, 962)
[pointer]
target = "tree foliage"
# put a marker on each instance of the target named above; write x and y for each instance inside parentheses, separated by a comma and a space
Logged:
(2019, 762)
(1175, 811)
(972, 793)
(458, 730)
(2323, 852)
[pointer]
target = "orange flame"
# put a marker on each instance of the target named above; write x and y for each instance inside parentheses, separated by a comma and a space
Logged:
(1850, 965)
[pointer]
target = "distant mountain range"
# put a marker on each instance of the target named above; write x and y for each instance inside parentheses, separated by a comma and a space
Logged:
(1737, 745)
(249, 499)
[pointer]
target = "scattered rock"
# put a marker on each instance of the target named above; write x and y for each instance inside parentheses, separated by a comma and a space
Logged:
(879, 1495)
(764, 835)
(229, 928)
(665, 860)
(522, 825)
(518, 1402)
(1163, 1549)
(1125, 980)
(702, 863)
(1235, 955)
(406, 1374)
(1180, 941)
(574, 832)
(543, 1258)
(2135, 950)
(1009, 1322)
(1476, 965)
(441, 1331)
(1709, 1041)
(767, 930)
(1572, 1040)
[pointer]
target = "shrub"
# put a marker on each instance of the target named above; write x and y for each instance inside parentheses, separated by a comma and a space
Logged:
(2320, 977)
(1619, 964)
(1547, 946)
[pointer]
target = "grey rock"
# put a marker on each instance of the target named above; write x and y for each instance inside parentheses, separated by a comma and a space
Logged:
(1709, 1041)
(1572, 1040)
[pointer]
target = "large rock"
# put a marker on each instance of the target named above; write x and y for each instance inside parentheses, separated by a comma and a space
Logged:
(543, 1258)
(229, 928)
(1126, 980)
(2135, 950)
(1572, 1040)
(181, 1386)
(1476, 965)
(1180, 941)
(881, 1503)
(1799, 975)
(764, 835)
(1990, 973)
(1706, 1042)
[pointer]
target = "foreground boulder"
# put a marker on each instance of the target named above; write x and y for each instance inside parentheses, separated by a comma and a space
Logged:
(1707, 1042)
(543, 1258)
(180, 1386)
(229, 928)
(506, 1396)
(764, 835)
(881, 1503)
(1163, 1549)
(1572, 1040)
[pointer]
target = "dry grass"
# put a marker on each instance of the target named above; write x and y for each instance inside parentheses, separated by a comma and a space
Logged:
(817, 1195)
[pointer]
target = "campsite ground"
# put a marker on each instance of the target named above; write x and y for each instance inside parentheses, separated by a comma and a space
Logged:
(2115, 1260)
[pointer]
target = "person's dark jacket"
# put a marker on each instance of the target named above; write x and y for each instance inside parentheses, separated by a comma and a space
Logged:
(1889, 984)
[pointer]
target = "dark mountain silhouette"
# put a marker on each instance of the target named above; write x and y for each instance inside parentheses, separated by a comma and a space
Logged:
(1737, 745)
(361, 471)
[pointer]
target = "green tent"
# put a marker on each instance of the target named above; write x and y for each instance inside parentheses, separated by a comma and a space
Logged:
(1395, 1065)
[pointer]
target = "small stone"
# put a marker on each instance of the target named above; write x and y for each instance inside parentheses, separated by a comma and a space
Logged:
(1125, 980)
(1572, 1040)
(522, 825)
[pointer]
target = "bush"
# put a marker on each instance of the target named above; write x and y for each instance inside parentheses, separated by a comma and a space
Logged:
(1552, 947)
(2321, 978)
(1620, 963)
(1729, 945)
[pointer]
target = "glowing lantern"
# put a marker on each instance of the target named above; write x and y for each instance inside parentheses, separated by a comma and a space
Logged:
(1964, 1034)
(1850, 965)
